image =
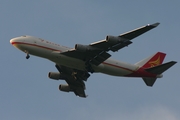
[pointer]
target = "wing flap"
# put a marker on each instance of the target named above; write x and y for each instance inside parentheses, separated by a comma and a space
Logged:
(80, 92)
(120, 45)
(94, 57)
(98, 59)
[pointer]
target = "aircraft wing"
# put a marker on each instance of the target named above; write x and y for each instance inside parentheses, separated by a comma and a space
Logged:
(95, 53)
(124, 38)
(74, 79)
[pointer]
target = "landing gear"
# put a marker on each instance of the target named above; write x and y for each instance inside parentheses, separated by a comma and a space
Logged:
(27, 56)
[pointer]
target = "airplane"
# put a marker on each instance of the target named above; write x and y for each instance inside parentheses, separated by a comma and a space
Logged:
(75, 65)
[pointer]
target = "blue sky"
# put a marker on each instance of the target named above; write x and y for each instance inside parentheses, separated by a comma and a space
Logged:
(27, 93)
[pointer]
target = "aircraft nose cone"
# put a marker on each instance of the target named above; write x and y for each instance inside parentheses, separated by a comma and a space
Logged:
(18, 42)
(11, 41)
(15, 41)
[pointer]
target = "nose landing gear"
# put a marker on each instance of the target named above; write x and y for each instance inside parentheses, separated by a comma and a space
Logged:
(27, 54)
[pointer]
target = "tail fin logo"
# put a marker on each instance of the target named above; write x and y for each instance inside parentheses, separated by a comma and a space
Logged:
(155, 62)
(152, 61)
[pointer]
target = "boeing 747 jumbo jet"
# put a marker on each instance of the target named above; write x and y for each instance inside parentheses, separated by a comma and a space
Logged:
(74, 65)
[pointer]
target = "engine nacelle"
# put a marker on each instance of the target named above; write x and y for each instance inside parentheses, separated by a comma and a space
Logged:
(56, 75)
(64, 88)
(113, 39)
(84, 48)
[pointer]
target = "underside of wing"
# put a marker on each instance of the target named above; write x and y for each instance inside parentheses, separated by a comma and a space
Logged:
(95, 57)
(112, 43)
(75, 80)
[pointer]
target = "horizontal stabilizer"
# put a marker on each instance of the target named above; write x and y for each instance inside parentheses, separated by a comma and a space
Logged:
(157, 70)
(161, 68)
(149, 81)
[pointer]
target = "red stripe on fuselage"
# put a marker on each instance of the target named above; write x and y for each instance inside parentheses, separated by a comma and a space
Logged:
(118, 66)
(13, 43)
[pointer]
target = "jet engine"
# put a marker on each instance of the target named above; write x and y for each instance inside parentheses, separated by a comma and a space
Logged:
(113, 39)
(64, 88)
(56, 75)
(84, 48)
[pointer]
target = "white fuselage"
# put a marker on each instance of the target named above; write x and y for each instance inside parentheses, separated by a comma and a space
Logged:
(45, 49)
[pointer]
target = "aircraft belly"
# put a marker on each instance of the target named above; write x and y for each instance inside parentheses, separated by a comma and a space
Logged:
(55, 57)
(110, 70)
(68, 61)
(33, 50)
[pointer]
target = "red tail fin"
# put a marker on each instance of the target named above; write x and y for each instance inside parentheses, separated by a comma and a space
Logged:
(152, 61)
(157, 59)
